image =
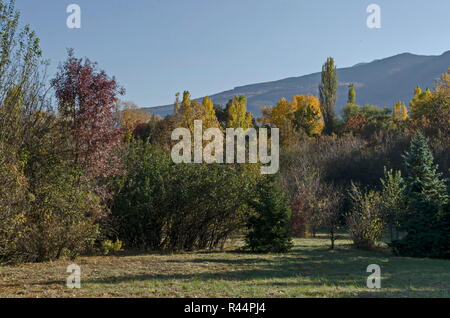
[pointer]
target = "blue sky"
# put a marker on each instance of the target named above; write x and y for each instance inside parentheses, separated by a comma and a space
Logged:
(156, 48)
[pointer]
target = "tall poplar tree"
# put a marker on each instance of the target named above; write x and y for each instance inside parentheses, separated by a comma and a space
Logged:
(176, 105)
(209, 116)
(400, 111)
(405, 114)
(351, 94)
(328, 94)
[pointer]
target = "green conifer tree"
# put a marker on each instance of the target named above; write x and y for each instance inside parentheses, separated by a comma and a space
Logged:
(425, 187)
(269, 230)
(427, 197)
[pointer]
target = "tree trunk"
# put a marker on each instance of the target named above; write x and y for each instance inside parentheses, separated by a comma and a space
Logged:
(332, 237)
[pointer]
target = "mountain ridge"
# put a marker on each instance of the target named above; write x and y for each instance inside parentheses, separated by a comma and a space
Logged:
(381, 82)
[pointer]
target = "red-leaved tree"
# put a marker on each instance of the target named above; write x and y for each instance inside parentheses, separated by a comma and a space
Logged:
(87, 100)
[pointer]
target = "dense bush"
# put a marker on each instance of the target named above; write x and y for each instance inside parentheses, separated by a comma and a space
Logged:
(12, 205)
(309, 169)
(393, 202)
(49, 200)
(45, 218)
(307, 205)
(62, 216)
(164, 206)
(364, 221)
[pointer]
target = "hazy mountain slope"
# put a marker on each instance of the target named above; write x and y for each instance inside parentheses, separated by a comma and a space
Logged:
(381, 82)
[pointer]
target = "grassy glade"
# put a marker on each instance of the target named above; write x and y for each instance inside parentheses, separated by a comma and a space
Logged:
(309, 269)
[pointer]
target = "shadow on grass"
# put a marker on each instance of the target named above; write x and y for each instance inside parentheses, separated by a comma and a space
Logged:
(306, 266)
(321, 267)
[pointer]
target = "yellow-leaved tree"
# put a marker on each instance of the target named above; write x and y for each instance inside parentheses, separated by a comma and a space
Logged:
(418, 104)
(190, 110)
(443, 84)
(281, 116)
(209, 117)
(130, 116)
(278, 115)
(405, 114)
(238, 117)
(303, 113)
(430, 110)
(400, 112)
(308, 114)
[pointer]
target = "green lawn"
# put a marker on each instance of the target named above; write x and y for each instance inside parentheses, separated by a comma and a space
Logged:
(309, 270)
